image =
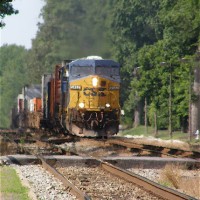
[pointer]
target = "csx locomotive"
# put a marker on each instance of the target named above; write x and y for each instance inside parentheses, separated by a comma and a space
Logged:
(81, 97)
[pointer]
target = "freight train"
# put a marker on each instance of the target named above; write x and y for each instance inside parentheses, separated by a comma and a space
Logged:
(81, 97)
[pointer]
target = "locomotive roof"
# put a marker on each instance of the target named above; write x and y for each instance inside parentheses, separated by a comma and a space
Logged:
(94, 63)
(33, 91)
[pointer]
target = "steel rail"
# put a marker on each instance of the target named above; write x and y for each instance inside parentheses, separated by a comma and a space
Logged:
(8, 131)
(146, 184)
(158, 149)
(155, 188)
(72, 188)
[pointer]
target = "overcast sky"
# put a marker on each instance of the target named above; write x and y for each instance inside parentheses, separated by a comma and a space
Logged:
(20, 29)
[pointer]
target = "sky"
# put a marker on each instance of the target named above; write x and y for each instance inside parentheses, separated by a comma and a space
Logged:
(21, 28)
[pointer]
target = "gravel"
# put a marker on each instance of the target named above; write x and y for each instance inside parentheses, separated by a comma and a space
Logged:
(47, 187)
(101, 185)
(152, 174)
(43, 184)
(188, 180)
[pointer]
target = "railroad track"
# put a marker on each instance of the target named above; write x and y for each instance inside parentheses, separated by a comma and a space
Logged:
(90, 181)
(137, 149)
(123, 185)
(140, 149)
(101, 180)
(156, 150)
(115, 143)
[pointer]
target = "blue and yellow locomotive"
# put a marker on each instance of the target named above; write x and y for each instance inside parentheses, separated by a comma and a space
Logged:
(93, 97)
(82, 97)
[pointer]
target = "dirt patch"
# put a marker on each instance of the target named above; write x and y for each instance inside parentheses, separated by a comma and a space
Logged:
(95, 148)
(159, 142)
(6, 147)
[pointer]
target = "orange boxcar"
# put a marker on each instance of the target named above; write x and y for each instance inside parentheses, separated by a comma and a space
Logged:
(37, 104)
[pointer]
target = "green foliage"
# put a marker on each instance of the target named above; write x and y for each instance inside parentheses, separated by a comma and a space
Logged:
(164, 32)
(181, 25)
(139, 34)
(12, 78)
(6, 8)
(71, 29)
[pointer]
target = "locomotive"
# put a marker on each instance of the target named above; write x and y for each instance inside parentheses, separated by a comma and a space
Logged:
(81, 97)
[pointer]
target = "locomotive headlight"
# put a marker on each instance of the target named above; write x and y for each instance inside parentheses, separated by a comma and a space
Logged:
(107, 105)
(81, 105)
(94, 81)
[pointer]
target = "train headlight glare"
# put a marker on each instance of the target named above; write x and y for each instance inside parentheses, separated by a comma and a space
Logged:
(94, 81)
(107, 105)
(81, 105)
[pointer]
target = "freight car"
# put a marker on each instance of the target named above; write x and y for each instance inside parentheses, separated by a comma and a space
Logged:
(28, 112)
(81, 97)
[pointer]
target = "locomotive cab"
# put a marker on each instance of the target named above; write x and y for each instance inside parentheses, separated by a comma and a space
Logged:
(93, 97)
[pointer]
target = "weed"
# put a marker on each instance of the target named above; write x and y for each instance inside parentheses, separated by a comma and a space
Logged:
(176, 176)
(171, 175)
(190, 186)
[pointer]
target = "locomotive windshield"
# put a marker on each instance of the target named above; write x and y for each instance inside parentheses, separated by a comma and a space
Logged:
(109, 71)
(81, 70)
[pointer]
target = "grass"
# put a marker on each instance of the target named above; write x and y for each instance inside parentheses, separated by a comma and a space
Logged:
(10, 185)
(140, 130)
(173, 176)
(179, 139)
(162, 134)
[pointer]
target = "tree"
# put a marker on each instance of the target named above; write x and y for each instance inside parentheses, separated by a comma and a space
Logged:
(12, 77)
(6, 8)
(195, 107)
(166, 31)
(71, 29)
(131, 31)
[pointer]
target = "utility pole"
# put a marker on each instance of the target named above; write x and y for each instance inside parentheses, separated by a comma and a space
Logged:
(146, 119)
(190, 105)
(170, 102)
(185, 60)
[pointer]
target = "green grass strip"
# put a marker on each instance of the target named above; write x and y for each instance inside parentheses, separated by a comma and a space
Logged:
(162, 134)
(10, 185)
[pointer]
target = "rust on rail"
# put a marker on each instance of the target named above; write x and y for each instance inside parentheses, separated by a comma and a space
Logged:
(72, 188)
(157, 189)
(161, 150)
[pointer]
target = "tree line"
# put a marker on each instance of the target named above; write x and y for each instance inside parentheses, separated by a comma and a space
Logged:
(156, 43)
